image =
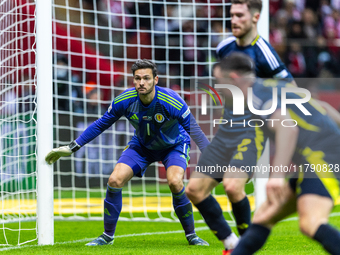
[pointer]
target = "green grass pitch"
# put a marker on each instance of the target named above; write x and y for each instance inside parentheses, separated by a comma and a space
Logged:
(156, 238)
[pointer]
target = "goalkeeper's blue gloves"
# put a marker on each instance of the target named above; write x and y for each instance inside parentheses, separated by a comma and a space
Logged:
(62, 151)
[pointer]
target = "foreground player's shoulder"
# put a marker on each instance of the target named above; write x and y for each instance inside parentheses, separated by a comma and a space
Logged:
(223, 45)
(263, 88)
(170, 98)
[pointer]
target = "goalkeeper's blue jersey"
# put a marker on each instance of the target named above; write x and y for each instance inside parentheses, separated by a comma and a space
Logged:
(164, 123)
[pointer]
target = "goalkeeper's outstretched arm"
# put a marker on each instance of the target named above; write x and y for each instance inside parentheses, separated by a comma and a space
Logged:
(94, 130)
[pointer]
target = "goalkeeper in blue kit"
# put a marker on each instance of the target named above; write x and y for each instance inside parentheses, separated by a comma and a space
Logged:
(163, 126)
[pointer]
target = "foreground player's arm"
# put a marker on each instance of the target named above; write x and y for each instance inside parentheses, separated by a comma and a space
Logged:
(94, 130)
(285, 144)
(285, 140)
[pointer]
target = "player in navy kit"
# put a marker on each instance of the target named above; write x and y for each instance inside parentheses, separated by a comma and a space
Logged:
(235, 146)
(306, 135)
(163, 126)
(244, 17)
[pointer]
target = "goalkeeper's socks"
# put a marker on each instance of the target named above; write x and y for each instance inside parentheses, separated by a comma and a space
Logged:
(252, 240)
(183, 210)
(112, 208)
(241, 211)
(213, 216)
(329, 237)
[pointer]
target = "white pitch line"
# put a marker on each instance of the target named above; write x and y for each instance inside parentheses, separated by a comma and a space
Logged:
(140, 234)
(120, 236)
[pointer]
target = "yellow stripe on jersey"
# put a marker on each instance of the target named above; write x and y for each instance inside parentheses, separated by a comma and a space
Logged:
(259, 139)
(327, 178)
(175, 101)
(132, 92)
(302, 123)
(124, 98)
(255, 40)
(126, 95)
(299, 181)
(165, 100)
(317, 106)
(314, 103)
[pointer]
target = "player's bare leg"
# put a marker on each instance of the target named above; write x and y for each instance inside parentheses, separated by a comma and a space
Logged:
(199, 187)
(121, 174)
(199, 191)
(174, 175)
(264, 219)
(313, 219)
(182, 205)
(234, 185)
(313, 213)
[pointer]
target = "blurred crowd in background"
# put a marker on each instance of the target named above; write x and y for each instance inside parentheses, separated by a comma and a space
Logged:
(306, 35)
(181, 39)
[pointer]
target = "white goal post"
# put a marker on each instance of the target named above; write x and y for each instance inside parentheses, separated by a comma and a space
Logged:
(45, 205)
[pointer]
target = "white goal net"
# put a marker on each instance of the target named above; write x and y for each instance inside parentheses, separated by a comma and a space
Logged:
(95, 42)
(17, 122)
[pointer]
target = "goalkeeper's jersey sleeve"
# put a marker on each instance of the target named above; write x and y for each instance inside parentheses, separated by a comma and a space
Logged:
(165, 122)
(114, 112)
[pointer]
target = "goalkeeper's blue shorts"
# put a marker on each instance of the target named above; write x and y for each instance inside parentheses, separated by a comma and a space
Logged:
(139, 158)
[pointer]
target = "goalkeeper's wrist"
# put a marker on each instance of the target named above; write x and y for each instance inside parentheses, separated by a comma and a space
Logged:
(74, 146)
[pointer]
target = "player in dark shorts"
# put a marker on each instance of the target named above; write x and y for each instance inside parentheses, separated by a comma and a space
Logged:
(306, 135)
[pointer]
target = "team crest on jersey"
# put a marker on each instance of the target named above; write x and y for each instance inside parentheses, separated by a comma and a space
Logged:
(159, 117)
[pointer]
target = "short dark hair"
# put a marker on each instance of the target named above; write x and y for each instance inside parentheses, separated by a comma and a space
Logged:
(144, 64)
(238, 62)
(252, 4)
